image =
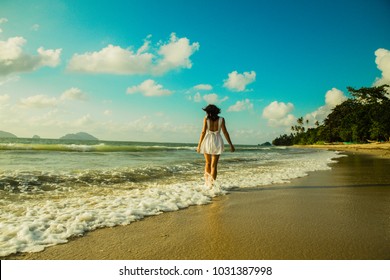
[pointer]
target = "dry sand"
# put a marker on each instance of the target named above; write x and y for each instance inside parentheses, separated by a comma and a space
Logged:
(377, 149)
(338, 214)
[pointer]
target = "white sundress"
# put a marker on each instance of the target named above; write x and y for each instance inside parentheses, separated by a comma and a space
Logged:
(212, 143)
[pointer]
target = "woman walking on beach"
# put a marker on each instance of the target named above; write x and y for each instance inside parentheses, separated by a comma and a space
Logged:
(211, 142)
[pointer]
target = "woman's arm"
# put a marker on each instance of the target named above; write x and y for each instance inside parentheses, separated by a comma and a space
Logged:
(202, 134)
(227, 136)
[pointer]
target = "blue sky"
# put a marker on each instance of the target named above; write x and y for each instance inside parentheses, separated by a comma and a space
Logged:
(142, 70)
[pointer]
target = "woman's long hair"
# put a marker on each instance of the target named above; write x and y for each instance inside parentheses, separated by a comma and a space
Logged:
(212, 112)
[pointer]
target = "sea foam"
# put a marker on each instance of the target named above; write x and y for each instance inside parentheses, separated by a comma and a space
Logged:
(53, 222)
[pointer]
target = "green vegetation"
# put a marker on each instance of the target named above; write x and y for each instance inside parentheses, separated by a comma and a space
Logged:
(364, 117)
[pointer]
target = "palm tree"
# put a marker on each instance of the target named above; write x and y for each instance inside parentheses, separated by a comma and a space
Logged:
(293, 128)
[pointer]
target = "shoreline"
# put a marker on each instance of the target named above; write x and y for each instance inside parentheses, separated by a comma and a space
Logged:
(376, 149)
(335, 214)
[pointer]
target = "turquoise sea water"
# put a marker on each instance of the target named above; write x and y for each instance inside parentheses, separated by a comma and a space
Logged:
(51, 190)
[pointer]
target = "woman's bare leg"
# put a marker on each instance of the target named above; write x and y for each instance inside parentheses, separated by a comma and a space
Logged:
(207, 166)
(208, 179)
(214, 165)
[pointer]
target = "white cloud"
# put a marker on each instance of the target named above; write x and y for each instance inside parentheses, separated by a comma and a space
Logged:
(213, 98)
(333, 98)
(112, 59)
(277, 114)
(38, 101)
(84, 121)
(149, 88)
(241, 106)
(382, 61)
(43, 101)
(107, 113)
(197, 97)
(48, 57)
(2, 20)
(116, 60)
(142, 125)
(11, 49)
(145, 46)
(73, 94)
(277, 110)
(8, 79)
(175, 54)
(203, 87)
(4, 98)
(49, 119)
(35, 27)
(159, 129)
(13, 59)
(238, 82)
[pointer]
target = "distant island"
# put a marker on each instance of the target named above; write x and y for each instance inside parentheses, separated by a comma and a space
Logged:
(78, 136)
(265, 144)
(4, 134)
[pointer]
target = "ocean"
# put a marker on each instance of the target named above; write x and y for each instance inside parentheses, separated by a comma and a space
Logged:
(52, 190)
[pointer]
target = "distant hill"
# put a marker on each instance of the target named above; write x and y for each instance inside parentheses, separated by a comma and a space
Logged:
(36, 137)
(4, 134)
(78, 136)
(266, 144)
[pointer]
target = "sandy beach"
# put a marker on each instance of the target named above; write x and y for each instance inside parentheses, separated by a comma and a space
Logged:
(342, 213)
(377, 149)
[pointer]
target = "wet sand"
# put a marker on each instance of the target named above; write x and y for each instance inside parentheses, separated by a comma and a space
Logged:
(343, 213)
